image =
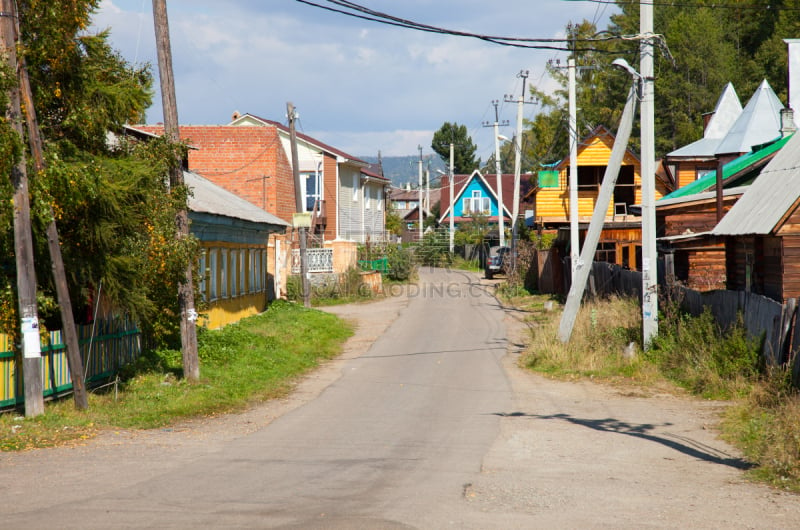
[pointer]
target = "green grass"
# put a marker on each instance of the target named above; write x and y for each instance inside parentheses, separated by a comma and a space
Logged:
(257, 359)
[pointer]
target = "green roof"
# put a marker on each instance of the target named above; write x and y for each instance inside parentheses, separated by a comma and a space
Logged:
(728, 170)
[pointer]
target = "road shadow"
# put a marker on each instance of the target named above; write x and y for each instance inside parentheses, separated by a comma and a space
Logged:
(644, 431)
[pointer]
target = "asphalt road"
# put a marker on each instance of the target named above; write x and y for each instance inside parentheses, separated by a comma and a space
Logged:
(425, 421)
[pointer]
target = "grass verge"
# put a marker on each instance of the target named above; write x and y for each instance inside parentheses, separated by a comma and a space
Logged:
(690, 354)
(256, 359)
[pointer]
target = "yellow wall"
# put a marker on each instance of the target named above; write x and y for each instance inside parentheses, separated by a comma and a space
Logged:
(227, 308)
(552, 204)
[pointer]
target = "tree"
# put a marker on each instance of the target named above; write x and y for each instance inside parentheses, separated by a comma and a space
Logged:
(464, 161)
(115, 218)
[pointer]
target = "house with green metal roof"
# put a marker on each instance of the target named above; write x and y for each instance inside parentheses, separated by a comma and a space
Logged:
(687, 216)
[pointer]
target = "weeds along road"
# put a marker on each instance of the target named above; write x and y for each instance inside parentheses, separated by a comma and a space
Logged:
(424, 422)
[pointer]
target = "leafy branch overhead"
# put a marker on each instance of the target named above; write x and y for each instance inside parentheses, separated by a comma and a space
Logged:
(115, 219)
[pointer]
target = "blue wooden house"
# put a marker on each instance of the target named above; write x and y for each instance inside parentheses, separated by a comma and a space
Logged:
(475, 195)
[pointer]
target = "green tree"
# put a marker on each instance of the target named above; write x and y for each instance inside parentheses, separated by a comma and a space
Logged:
(115, 217)
(464, 161)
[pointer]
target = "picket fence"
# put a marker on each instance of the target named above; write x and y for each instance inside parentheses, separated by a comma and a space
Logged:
(105, 347)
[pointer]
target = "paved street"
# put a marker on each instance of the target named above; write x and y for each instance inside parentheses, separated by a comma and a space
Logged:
(424, 422)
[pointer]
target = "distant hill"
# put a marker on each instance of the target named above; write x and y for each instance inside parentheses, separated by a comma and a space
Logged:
(405, 169)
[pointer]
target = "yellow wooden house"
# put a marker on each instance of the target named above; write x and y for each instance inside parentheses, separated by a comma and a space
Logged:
(620, 241)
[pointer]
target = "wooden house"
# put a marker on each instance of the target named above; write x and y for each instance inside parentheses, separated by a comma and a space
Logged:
(715, 171)
(762, 230)
(620, 241)
(475, 195)
(236, 277)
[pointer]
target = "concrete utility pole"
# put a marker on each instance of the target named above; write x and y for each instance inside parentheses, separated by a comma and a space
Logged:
(23, 238)
(420, 191)
(584, 267)
(517, 163)
(649, 250)
(498, 171)
(299, 206)
(573, 167)
(191, 362)
(73, 351)
(452, 194)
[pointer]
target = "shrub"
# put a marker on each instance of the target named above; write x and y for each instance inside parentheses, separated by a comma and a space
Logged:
(434, 250)
(401, 263)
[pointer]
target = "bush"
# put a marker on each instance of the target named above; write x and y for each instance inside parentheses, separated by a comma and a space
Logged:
(401, 263)
(695, 353)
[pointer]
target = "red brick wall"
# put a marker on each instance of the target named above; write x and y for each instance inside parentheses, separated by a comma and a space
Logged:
(238, 159)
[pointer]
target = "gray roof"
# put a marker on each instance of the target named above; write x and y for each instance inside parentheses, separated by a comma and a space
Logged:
(208, 197)
(767, 199)
(760, 122)
(728, 109)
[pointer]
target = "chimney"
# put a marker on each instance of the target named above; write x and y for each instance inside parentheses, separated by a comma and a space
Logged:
(794, 77)
(787, 122)
(707, 118)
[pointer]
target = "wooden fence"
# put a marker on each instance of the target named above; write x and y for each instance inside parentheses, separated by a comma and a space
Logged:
(762, 317)
(105, 347)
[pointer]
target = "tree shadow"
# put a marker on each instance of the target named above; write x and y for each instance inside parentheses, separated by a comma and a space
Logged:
(644, 431)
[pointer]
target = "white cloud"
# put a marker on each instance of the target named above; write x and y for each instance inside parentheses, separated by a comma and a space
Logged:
(366, 86)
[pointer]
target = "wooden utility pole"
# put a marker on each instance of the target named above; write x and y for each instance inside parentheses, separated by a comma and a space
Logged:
(74, 359)
(191, 363)
(299, 206)
(23, 238)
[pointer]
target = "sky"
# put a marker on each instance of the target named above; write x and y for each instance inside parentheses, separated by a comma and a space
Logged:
(360, 86)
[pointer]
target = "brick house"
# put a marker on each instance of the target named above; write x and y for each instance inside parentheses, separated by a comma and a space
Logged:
(346, 197)
(247, 161)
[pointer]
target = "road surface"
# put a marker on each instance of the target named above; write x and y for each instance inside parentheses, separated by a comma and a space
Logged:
(424, 422)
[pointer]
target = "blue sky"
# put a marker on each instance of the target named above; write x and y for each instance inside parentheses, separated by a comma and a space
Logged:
(357, 85)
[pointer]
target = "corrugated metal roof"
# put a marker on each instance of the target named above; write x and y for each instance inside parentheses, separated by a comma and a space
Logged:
(705, 195)
(728, 170)
(769, 198)
(207, 197)
(759, 122)
(726, 112)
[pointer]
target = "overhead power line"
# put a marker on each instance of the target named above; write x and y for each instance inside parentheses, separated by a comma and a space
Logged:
(355, 10)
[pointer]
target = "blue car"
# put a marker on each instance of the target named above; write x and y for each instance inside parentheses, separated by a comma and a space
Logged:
(496, 261)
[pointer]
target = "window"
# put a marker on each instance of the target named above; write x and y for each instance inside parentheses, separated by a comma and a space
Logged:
(367, 197)
(476, 205)
(214, 266)
(201, 271)
(223, 273)
(242, 271)
(312, 189)
(234, 274)
(379, 199)
(252, 268)
(355, 188)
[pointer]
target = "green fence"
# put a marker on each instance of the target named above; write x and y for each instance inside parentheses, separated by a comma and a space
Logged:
(380, 265)
(105, 347)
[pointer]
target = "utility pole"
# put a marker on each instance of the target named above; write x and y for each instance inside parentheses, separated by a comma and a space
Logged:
(299, 206)
(649, 250)
(419, 210)
(500, 208)
(584, 266)
(23, 238)
(452, 194)
(517, 162)
(191, 362)
(74, 360)
(573, 167)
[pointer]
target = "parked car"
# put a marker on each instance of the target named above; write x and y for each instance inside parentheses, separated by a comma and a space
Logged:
(496, 261)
